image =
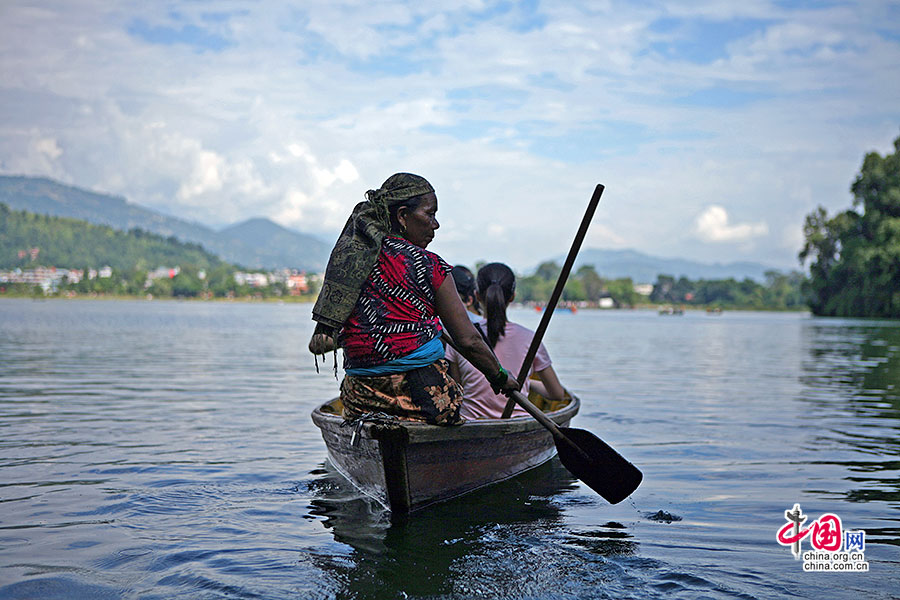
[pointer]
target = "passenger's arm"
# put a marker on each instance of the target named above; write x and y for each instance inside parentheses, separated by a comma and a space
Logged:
(537, 386)
(554, 389)
(473, 348)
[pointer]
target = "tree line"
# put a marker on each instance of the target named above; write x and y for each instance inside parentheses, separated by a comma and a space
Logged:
(855, 255)
(780, 291)
(73, 243)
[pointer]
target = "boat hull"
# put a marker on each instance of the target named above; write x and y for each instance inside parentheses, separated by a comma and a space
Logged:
(406, 466)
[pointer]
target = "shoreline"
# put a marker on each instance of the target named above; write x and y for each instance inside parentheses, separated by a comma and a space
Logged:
(312, 299)
(114, 297)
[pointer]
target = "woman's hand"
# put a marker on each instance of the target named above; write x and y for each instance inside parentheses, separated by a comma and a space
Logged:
(321, 343)
(502, 382)
(511, 385)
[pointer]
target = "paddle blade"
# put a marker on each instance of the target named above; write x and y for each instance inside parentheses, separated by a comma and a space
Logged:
(599, 466)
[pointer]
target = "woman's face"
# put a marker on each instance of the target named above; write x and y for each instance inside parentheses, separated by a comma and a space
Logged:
(419, 224)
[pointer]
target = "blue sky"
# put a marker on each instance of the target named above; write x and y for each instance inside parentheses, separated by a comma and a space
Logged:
(715, 126)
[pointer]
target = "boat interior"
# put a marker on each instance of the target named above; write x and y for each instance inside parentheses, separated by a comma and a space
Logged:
(336, 407)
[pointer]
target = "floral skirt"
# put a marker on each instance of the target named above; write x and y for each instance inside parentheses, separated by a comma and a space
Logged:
(425, 394)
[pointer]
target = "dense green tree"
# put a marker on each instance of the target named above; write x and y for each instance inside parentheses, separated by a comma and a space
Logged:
(668, 289)
(220, 281)
(161, 287)
(622, 292)
(573, 290)
(780, 292)
(187, 283)
(855, 255)
(71, 243)
(534, 289)
(591, 281)
(784, 290)
(662, 289)
(548, 271)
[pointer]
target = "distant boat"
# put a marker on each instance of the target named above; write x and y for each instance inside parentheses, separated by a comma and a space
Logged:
(714, 310)
(569, 308)
(671, 310)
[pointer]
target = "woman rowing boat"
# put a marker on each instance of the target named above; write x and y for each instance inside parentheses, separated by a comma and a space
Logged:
(383, 302)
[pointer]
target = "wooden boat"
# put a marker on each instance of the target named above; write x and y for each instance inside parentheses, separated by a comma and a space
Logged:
(406, 466)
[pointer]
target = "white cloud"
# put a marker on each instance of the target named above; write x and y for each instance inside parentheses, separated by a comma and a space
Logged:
(792, 238)
(205, 176)
(292, 206)
(514, 116)
(712, 226)
(49, 147)
(344, 172)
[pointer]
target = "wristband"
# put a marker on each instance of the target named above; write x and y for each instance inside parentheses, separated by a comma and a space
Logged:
(499, 380)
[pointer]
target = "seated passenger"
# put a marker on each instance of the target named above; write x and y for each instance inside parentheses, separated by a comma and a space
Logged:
(465, 287)
(495, 290)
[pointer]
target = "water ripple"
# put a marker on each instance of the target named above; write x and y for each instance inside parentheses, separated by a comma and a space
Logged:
(164, 449)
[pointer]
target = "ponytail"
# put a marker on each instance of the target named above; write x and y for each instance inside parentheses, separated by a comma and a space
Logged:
(496, 286)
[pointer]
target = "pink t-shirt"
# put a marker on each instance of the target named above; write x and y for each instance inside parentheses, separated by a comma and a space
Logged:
(479, 400)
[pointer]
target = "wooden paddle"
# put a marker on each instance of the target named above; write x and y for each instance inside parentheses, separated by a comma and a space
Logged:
(586, 456)
(557, 292)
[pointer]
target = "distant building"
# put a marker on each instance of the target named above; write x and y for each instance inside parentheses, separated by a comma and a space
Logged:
(297, 284)
(48, 278)
(161, 273)
(606, 302)
(644, 289)
(251, 279)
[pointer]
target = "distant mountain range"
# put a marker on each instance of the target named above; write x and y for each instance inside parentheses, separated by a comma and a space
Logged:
(643, 268)
(261, 244)
(257, 243)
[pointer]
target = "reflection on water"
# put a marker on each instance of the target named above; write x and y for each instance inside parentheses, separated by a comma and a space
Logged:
(853, 374)
(165, 449)
(504, 552)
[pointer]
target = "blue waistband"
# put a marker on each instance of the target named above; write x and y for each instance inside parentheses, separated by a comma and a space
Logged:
(420, 357)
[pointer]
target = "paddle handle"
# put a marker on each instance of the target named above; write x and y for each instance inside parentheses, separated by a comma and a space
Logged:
(557, 292)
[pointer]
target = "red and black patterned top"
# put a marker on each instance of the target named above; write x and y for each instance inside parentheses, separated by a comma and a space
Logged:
(395, 313)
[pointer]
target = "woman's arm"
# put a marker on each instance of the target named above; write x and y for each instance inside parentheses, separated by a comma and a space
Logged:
(453, 314)
(554, 389)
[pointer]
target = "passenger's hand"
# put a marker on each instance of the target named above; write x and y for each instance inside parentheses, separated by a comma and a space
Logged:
(321, 343)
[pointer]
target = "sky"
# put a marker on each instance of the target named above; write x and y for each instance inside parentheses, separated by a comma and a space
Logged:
(716, 126)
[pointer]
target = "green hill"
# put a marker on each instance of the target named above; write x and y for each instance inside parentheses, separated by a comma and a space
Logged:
(71, 243)
(255, 244)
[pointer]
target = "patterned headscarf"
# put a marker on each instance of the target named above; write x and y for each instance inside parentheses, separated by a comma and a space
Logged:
(357, 248)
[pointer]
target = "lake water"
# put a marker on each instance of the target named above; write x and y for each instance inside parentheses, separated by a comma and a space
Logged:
(165, 449)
